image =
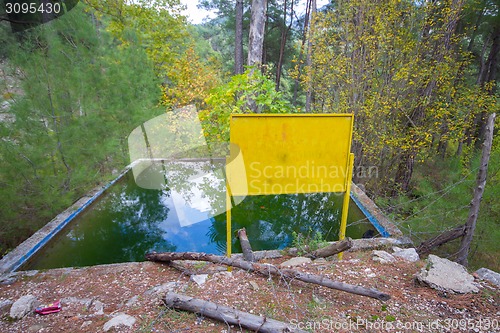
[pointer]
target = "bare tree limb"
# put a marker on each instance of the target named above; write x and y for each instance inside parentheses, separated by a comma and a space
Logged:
(245, 245)
(228, 315)
(267, 270)
(440, 239)
(331, 249)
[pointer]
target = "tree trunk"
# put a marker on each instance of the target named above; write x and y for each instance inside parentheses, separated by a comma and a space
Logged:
(470, 226)
(238, 39)
(268, 270)
(301, 53)
(228, 315)
(256, 35)
(439, 240)
(256, 43)
(245, 245)
(331, 249)
(404, 174)
(284, 35)
(488, 73)
(309, 93)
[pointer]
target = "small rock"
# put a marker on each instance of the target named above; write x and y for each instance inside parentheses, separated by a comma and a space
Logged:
(4, 305)
(132, 301)
(37, 327)
(369, 273)
(200, 279)
(23, 306)
(489, 275)
(254, 285)
(120, 319)
(5, 105)
(74, 300)
(446, 276)
(318, 300)
(86, 323)
(407, 254)
(30, 273)
(98, 307)
(90, 304)
(320, 261)
(8, 278)
(162, 288)
(297, 261)
(382, 256)
(224, 274)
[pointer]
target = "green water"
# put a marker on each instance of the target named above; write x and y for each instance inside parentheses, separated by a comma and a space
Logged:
(129, 221)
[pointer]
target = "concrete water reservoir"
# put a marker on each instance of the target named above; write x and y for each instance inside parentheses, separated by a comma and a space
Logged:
(122, 221)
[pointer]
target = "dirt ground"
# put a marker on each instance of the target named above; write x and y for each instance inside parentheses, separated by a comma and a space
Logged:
(91, 296)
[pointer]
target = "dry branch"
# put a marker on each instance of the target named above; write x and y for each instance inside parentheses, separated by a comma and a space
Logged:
(228, 315)
(245, 245)
(267, 270)
(440, 239)
(331, 249)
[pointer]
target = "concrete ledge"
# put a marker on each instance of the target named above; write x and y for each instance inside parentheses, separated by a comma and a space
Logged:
(10, 277)
(13, 260)
(384, 226)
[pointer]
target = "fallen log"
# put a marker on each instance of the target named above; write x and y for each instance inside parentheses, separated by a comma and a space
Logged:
(228, 315)
(245, 245)
(331, 249)
(267, 270)
(428, 245)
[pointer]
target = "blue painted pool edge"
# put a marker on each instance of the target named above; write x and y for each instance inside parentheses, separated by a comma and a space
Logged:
(24, 258)
(370, 217)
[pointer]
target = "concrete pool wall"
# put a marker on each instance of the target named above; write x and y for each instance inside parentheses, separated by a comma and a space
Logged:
(27, 249)
(16, 258)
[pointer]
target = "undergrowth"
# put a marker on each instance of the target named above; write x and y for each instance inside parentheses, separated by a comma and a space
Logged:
(440, 200)
(305, 243)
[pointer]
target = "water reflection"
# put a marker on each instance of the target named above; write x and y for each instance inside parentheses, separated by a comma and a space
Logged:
(271, 220)
(188, 214)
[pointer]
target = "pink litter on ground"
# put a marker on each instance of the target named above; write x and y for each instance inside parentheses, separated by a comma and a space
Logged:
(49, 308)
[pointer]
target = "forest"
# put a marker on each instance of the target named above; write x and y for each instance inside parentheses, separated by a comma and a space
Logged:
(421, 78)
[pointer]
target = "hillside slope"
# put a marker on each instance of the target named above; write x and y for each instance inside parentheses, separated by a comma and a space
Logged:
(92, 295)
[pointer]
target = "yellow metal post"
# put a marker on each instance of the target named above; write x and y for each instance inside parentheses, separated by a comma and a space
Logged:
(228, 224)
(345, 205)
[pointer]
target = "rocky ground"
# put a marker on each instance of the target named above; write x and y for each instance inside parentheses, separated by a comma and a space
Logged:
(91, 297)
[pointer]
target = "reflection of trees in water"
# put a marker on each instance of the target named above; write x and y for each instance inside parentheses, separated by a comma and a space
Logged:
(270, 220)
(129, 225)
(187, 178)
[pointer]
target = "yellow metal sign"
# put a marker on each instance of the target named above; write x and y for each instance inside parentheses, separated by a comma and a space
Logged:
(284, 154)
(289, 153)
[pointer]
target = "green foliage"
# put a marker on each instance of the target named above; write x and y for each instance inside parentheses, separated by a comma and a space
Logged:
(79, 98)
(401, 71)
(312, 241)
(190, 80)
(390, 318)
(155, 25)
(221, 33)
(440, 201)
(234, 97)
(187, 69)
